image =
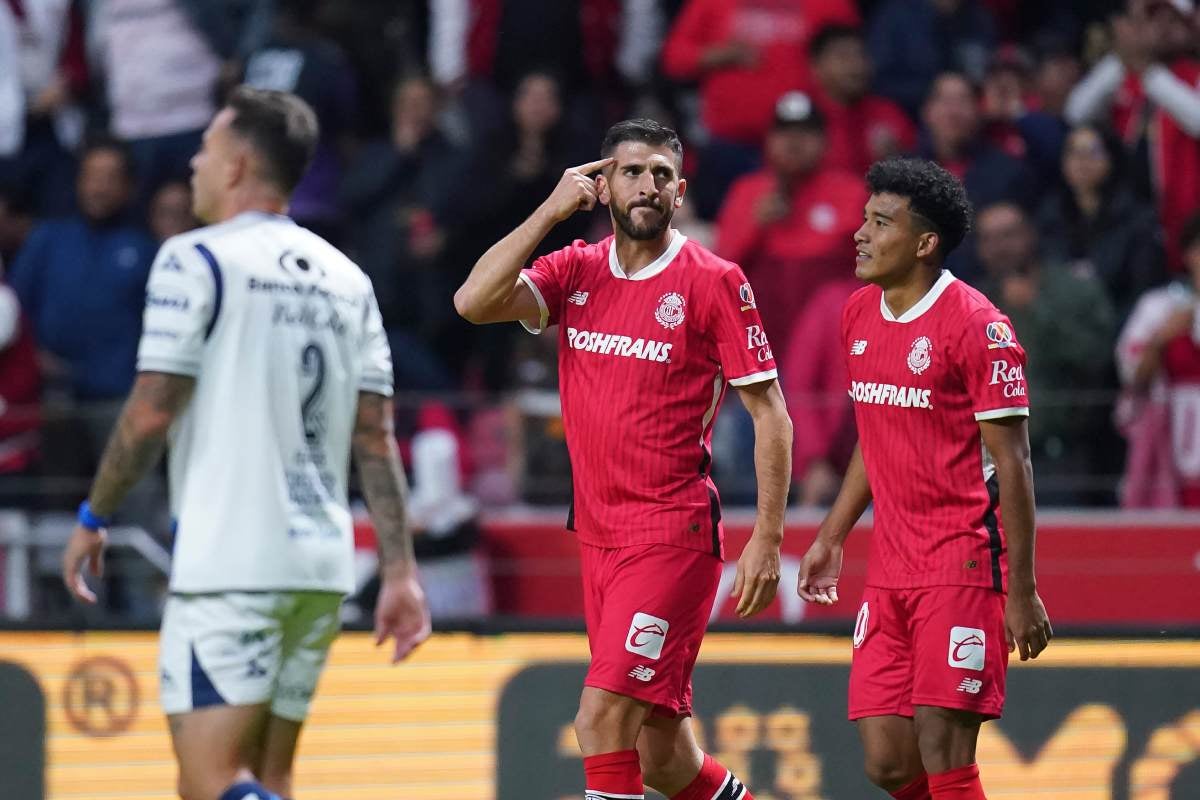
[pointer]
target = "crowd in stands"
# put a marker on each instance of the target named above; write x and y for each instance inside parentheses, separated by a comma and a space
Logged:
(1074, 124)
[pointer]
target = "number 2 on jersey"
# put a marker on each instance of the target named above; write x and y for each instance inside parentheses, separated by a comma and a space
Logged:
(312, 366)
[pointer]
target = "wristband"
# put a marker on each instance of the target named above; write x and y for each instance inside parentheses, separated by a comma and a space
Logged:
(91, 521)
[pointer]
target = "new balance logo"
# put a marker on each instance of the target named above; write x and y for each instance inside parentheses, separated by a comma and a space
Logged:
(578, 298)
(643, 674)
(859, 347)
(970, 685)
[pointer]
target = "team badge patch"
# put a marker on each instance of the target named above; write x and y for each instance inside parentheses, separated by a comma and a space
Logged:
(646, 636)
(670, 310)
(746, 295)
(860, 625)
(919, 356)
(1000, 334)
(968, 648)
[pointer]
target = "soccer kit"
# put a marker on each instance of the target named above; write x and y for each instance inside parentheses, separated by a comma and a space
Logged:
(281, 332)
(643, 366)
(931, 630)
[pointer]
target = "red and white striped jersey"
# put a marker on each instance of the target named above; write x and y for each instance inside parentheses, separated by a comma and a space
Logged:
(643, 365)
(920, 384)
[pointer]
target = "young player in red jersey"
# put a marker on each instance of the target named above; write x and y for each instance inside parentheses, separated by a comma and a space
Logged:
(651, 329)
(933, 369)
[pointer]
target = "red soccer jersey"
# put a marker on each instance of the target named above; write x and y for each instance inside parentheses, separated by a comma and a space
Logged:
(643, 365)
(921, 383)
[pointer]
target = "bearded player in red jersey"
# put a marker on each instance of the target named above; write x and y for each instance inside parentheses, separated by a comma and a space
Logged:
(933, 369)
(651, 329)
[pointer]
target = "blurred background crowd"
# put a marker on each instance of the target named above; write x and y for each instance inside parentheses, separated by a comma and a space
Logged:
(1074, 124)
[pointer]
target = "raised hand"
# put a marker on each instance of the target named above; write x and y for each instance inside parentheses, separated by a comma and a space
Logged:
(576, 190)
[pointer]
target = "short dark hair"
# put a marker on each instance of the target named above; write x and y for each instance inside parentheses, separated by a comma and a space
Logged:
(932, 193)
(644, 130)
(107, 144)
(1190, 234)
(280, 127)
(830, 35)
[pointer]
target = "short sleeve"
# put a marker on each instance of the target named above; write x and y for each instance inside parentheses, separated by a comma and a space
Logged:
(992, 363)
(737, 330)
(547, 279)
(183, 303)
(377, 376)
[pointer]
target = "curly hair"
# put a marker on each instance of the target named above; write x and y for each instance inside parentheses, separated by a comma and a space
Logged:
(933, 194)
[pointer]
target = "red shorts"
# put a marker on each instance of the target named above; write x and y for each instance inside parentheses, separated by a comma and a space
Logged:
(943, 646)
(646, 608)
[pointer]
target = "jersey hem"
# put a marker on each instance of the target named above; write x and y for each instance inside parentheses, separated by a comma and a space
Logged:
(377, 387)
(1000, 413)
(543, 310)
(189, 369)
(906, 587)
(705, 546)
(757, 377)
(260, 590)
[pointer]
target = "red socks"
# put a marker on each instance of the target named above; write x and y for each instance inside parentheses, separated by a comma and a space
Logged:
(614, 776)
(917, 790)
(714, 783)
(957, 784)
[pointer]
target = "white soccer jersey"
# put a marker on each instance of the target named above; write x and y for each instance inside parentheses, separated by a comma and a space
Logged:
(281, 332)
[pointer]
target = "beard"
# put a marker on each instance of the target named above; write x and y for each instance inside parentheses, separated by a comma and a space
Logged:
(646, 231)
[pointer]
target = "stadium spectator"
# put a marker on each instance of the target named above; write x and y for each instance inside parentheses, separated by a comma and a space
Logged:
(16, 222)
(1013, 123)
(480, 50)
(861, 128)
(913, 41)
(744, 54)
(170, 210)
(20, 417)
(814, 383)
(297, 58)
(1095, 217)
(1057, 69)
(1158, 355)
(1067, 326)
(1149, 86)
(396, 196)
(43, 75)
(953, 137)
(81, 280)
(161, 75)
(509, 172)
(790, 225)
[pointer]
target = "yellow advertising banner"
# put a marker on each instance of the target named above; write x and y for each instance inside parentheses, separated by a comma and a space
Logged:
(489, 717)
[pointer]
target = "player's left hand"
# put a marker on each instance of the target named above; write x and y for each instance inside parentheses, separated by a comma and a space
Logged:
(757, 575)
(401, 613)
(1027, 624)
(84, 546)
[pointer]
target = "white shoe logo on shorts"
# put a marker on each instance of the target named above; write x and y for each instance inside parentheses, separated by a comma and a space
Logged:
(970, 686)
(967, 648)
(642, 673)
(646, 635)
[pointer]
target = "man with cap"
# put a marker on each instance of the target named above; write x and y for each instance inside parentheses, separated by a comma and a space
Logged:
(1149, 88)
(791, 224)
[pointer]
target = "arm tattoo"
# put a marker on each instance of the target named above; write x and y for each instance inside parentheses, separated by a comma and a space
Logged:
(382, 477)
(140, 436)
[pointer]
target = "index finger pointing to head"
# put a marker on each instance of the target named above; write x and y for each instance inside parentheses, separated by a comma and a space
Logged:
(592, 166)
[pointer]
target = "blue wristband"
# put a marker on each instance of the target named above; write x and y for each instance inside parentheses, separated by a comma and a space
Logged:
(91, 521)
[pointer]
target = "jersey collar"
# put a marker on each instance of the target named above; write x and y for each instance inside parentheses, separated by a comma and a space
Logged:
(924, 304)
(654, 267)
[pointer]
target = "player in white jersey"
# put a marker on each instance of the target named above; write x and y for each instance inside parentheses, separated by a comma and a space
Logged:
(263, 359)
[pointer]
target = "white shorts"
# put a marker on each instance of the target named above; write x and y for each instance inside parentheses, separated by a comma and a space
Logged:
(245, 648)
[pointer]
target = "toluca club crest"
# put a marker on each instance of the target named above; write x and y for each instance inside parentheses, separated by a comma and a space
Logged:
(670, 310)
(918, 357)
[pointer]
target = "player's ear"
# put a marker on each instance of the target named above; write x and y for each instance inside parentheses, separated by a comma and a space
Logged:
(927, 244)
(680, 192)
(602, 192)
